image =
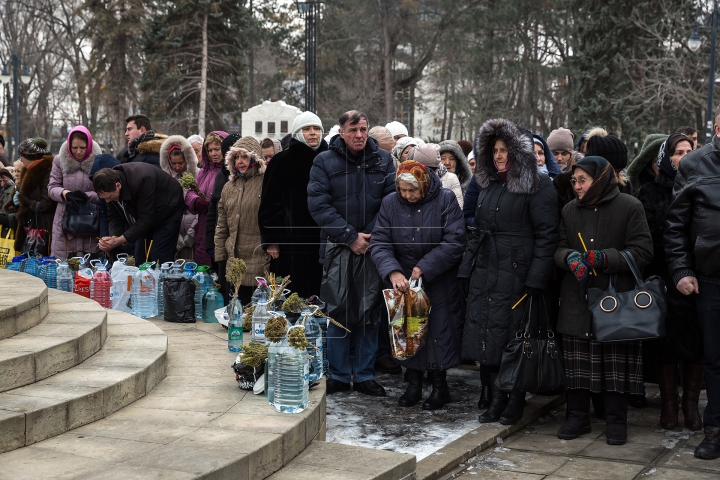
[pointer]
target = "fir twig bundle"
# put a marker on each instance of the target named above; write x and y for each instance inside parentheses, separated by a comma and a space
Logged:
(294, 304)
(297, 338)
(188, 182)
(254, 353)
(235, 271)
(74, 264)
(130, 261)
(276, 328)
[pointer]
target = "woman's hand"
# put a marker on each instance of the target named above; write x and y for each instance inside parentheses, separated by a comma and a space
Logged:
(274, 251)
(688, 286)
(416, 273)
(399, 282)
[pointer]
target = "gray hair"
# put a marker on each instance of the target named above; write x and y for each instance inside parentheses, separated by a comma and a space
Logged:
(380, 133)
(408, 178)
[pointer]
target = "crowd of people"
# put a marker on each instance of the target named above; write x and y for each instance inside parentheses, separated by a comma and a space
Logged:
(490, 227)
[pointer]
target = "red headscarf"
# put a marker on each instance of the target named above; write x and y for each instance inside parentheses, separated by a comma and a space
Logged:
(418, 171)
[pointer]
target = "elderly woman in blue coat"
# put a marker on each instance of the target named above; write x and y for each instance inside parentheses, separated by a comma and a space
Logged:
(420, 233)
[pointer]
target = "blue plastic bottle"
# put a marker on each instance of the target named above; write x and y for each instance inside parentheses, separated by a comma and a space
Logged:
(212, 301)
(144, 293)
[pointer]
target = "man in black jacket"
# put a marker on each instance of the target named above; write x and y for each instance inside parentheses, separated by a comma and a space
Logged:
(692, 249)
(148, 200)
(143, 143)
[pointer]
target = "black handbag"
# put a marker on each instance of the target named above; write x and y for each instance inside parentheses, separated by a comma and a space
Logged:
(532, 364)
(638, 314)
(83, 221)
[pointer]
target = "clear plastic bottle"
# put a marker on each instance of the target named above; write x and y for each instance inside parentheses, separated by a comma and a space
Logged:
(65, 278)
(177, 267)
(202, 282)
(259, 320)
(269, 371)
(101, 285)
(290, 378)
(144, 293)
(314, 336)
(235, 331)
(212, 301)
(164, 272)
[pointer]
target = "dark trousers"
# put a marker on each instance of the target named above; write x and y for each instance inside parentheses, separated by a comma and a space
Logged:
(383, 348)
(708, 309)
(164, 243)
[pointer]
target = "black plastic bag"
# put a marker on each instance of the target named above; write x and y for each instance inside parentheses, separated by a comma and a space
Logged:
(351, 287)
(179, 296)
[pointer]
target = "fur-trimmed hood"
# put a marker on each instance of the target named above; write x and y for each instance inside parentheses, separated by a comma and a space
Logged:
(70, 165)
(151, 145)
(187, 150)
(523, 176)
(232, 154)
(462, 167)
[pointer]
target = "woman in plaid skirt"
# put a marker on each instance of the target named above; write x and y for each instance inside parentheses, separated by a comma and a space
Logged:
(609, 222)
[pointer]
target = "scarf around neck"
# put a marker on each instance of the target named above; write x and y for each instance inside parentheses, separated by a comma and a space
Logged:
(132, 147)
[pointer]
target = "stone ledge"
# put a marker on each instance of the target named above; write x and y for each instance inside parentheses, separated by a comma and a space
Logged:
(23, 304)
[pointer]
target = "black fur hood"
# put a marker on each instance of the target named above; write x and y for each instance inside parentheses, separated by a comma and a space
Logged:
(523, 176)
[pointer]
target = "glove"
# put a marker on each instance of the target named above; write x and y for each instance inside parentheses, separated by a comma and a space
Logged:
(77, 199)
(180, 243)
(595, 259)
(464, 287)
(533, 292)
(188, 241)
(201, 205)
(577, 266)
(16, 199)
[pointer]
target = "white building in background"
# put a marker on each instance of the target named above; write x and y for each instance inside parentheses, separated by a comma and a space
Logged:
(269, 119)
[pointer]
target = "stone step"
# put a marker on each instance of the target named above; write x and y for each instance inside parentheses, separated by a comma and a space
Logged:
(23, 303)
(74, 329)
(347, 462)
(130, 364)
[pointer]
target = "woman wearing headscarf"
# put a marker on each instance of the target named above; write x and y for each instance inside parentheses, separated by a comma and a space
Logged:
(289, 233)
(402, 148)
(420, 233)
(177, 157)
(212, 162)
(429, 155)
(196, 142)
(70, 184)
(32, 204)
(510, 253)
(237, 234)
(644, 168)
(455, 161)
(609, 222)
(682, 344)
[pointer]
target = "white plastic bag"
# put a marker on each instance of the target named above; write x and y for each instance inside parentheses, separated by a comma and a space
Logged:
(121, 290)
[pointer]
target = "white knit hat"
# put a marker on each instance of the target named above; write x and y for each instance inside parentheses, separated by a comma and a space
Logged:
(306, 119)
(397, 128)
(195, 138)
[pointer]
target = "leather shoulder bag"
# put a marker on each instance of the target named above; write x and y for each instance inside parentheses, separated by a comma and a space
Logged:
(83, 221)
(638, 314)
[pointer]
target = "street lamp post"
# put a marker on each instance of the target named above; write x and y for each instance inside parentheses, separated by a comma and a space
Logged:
(694, 43)
(309, 11)
(24, 77)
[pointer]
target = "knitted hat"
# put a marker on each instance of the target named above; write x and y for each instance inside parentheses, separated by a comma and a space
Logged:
(33, 148)
(560, 140)
(195, 139)
(227, 142)
(648, 154)
(402, 144)
(465, 146)
(250, 144)
(104, 160)
(428, 155)
(306, 119)
(397, 128)
(611, 148)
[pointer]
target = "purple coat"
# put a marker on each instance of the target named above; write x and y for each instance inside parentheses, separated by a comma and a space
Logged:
(70, 174)
(429, 234)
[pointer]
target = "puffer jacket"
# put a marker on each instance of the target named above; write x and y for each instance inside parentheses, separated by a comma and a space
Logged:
(7, 219)
(512, 245)
(692, 237)
(345, 192)
(237, 234)
(70, 174)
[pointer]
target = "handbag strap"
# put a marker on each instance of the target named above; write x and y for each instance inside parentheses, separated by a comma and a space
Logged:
(633, 267)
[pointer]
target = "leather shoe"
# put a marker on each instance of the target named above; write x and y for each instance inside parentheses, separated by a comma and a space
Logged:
(387, 365)
(370, 387)
(709, 448)
(335, 386)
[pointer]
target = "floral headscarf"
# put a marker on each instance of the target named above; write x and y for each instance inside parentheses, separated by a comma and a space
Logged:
(414, 173)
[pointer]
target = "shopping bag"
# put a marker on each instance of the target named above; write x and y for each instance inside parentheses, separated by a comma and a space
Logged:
(179, 295)
(7, 248)
(409, 315)
(83, 280)
(15, 263)
(36, 240)
(121, 289)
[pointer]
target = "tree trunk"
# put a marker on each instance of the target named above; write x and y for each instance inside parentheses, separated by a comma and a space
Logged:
(445, 100)
(452, 112)
(251, 68)
(203, 78)
(387, 60)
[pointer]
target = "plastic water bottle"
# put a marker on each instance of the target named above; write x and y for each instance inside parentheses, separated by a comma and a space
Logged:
(65, 278)
(235, 331)
(259, 320)
(290, 378)
(164, 272)
(144, 293)
(314, 337)
(189, 269)
(177, 267)
(269, 370)
(212, 300)
(202, 282)
(100, 286)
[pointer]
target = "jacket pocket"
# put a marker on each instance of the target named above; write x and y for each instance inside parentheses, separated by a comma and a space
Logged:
(519, 266)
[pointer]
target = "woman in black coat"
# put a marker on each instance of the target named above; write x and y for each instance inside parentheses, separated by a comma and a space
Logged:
(683, 339)
(420, 232)
(510, 253)
(609, 222)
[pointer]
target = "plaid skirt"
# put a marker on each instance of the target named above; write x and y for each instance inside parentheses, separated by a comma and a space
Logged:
(595, 366)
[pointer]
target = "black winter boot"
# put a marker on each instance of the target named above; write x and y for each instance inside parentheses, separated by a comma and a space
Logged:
(413, 394)
(440, 392)
(616, 408)
(485, 397)
(598, 405)
(578, 415)
(709, 448)
(497, 404)
(514, 410)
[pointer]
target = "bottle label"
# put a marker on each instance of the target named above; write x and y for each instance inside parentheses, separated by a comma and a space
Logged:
(306, 373)
(235, 333)
(259, 329)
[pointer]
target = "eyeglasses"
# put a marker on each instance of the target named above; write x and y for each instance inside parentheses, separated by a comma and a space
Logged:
(582, 181)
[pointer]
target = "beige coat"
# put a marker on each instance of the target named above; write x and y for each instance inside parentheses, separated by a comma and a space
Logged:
(237, 233)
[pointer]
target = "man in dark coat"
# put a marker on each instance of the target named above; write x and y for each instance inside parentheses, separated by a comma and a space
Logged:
(692, 251)
(147, 199)
(511, 250)
(143, 143)
(289, 233)
(347, 185)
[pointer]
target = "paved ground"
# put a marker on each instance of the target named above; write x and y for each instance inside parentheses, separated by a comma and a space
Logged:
(537, 453)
